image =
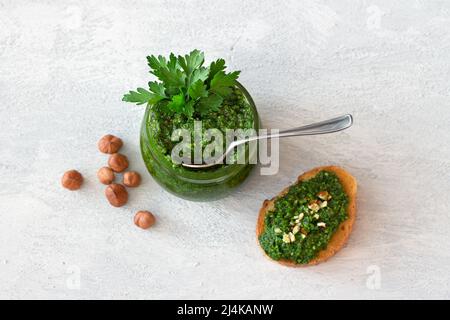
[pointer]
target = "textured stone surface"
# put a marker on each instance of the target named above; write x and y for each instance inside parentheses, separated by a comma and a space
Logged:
(64, 67)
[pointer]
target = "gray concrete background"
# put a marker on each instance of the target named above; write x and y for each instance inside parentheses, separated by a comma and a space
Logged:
(64, 66)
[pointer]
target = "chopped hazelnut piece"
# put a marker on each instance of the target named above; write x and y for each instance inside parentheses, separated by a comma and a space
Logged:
(314, 206)
(324, 195)
(286, 238)
(291, 237)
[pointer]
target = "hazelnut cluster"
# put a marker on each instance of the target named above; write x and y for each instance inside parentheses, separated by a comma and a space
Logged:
(116, 193)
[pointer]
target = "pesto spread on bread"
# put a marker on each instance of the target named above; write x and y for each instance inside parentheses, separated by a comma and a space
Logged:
(303, 220)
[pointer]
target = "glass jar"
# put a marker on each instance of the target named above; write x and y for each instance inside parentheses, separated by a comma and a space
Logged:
(197, 185)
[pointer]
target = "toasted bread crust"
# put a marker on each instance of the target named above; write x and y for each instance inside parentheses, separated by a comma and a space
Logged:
(341, 235)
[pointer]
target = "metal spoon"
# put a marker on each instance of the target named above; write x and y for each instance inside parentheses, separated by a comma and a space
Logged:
(322, 127)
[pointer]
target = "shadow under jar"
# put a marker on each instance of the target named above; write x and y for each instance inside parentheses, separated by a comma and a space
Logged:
(205, 184)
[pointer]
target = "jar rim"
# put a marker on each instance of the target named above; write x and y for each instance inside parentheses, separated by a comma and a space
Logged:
(199, 176)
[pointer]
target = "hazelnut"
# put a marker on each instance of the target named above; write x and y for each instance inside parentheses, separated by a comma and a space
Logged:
(131, 179)
(105, 175)
(72, 180)
(144, 219)
(116, 194)
(110, 144)
(118, 162)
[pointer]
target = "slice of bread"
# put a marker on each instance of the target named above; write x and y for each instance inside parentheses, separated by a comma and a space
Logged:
(341, 235)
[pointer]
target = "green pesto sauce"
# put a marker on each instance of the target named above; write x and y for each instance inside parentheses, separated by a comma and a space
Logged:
(234, 113)
(281, 240)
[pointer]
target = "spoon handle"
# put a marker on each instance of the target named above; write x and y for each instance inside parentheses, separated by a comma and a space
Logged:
(322, 127)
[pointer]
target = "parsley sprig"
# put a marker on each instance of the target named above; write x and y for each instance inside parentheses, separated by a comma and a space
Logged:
(185, 85)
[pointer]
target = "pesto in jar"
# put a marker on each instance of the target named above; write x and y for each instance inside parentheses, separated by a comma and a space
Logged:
(234, 113)
(303, 221)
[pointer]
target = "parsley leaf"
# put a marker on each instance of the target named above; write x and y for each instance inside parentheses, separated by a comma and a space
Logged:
(174, 78)
(210, 103)
(221, 83)
(141, 96)
(189, 108)
(167, 72)
(156, 63)
(192, 61)
(198, 90)
(157, 88)
(216, 66)
(200, 74)
(177, 103)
